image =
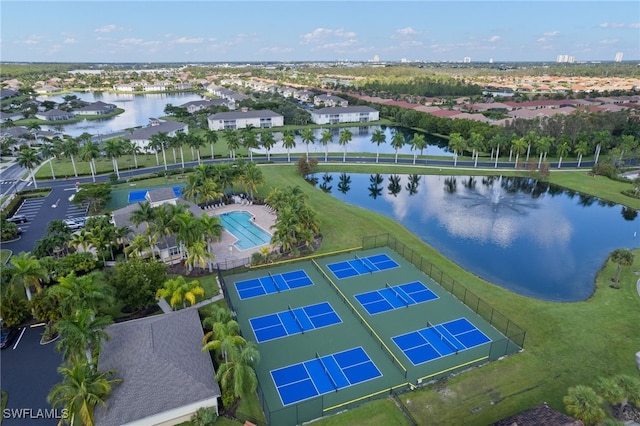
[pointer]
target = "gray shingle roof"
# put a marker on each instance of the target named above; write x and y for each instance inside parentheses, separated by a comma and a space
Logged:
(145, 133)
(161, 362)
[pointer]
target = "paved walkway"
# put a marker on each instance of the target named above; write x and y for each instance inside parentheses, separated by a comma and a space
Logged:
(166, 308)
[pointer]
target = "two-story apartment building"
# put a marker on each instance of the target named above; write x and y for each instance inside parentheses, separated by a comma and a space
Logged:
(96, 108)
(141, 137)
(350, 114)
(329, 101)
(240, 119)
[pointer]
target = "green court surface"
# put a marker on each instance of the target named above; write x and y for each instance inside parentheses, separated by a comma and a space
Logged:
(391, 318)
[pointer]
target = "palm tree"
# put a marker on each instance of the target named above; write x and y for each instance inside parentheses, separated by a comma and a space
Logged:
(90, 151)
(584, 404)
(195, 143)
(80, 240)
(48, 152)
(211, 137)
(238, 372)
(138, 246)
(621, 257)
(70, 148)
(397, 142)
(224, 335)
(179, 290)
(114, 148)
(542, 146)
(28, 157)
(250, 140)
(81, 389)
(325, 139)
(417, 143)
(144, 214)
(476, 142)
(581, 149)
(81, 293)
(233, 142)
(344, 139)
(180, 140)
(378, 138)
(27, 271)
(288, 142)
(158, 142)
(81, 335)
(251, 177)
(519, 146)
(307, 137)
(132, 148)
(457, 144)
(268, 141)
(197, 256)
(562, 150)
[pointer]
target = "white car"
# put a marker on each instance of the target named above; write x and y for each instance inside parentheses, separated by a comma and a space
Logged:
(73, 224)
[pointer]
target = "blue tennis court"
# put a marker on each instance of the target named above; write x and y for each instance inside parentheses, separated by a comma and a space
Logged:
(440, 340)
(394, 297)
(294, 321)
(362, 265)
(139, 195)
(325, 374)
(272, 284)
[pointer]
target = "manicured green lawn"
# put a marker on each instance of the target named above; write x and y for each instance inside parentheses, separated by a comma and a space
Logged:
(4, 256)
(566, 344)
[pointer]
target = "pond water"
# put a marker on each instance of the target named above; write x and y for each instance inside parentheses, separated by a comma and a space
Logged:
(361, 142)
(138, 109)
(532, 238)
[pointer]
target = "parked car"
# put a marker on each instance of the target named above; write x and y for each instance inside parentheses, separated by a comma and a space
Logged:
(18, 218)
(7, 336)
(73, 224)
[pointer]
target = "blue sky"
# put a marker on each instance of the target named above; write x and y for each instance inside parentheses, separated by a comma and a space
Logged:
(238, 31)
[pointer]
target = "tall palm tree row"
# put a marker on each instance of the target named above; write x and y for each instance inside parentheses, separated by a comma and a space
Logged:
(28, 157)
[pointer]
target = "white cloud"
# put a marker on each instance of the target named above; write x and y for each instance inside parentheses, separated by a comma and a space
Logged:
(321, 34)
(551, 33)
(338, 45)
(187, 40)
(132, 41)
(609, 41)
(70, 40)
(635, 25)
(612, 25)
(494, 39)
(405, 32)
(106, 28)
(32, 39)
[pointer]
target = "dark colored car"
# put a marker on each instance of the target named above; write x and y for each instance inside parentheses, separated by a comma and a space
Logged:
(19, 218)
(7, 336)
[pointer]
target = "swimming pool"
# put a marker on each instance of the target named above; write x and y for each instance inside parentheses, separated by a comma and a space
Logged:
(249, 235)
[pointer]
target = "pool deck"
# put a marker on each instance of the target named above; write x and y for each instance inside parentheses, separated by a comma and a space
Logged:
(225, 251)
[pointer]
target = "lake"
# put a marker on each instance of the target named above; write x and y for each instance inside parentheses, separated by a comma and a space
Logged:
(532, 238)
(139, 108)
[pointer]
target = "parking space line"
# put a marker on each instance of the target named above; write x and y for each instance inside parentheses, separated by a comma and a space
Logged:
(19, 338)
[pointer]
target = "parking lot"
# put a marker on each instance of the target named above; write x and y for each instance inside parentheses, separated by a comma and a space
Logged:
(29, 371)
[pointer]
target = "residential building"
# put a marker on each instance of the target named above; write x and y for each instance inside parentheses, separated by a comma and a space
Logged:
(350, 114)
(55, 115)
(329, 100)
(166, 376)
(142, 136)
(96, 108)
(240, 119)
(195, 106)
(166, 249)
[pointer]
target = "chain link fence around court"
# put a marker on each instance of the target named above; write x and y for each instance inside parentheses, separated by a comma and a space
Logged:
(308, 410)
(514, 334)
